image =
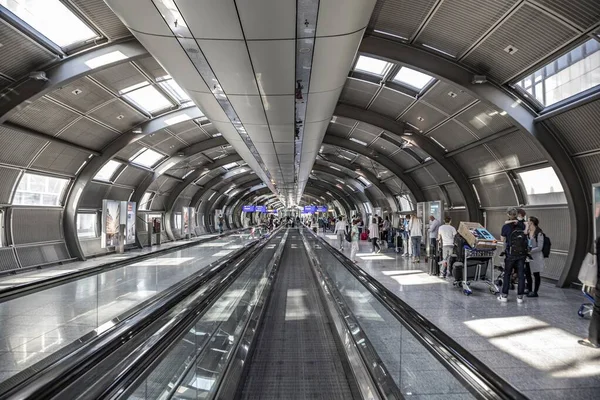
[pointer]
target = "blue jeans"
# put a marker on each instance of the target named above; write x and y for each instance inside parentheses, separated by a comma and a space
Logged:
(514, 264)
(416, 245)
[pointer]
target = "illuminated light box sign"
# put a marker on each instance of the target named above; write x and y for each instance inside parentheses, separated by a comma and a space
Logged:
(310, 209)
(262, 209)
(249, 208)
(321, 208)
(272, 211)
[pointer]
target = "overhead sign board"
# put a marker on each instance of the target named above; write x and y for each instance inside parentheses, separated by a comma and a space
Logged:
(262, 209)
(249, 208)
(321, 208)
(310, 209)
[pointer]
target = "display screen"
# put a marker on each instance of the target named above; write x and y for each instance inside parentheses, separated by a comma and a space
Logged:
(262, 209)
(322, 208)
(249, 208)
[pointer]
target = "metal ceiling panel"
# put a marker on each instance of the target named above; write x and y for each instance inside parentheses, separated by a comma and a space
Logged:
(418, 151)
(119, 193)
(456, 197)
(82, 95)
(92, 195)
(128, 151)
(157, 183)
(19, 55)
(170, 146)
(152, 67)
(102, 16)
(391, 103)
(266, 148)
(155, 137)
(579, 128)
(321, 106)
(457, 24)
(190, 191)
(433, 194)
(358, 92)
(337, 129)
(8, 178)
(267, 19)
(495, 191)
(61, 159)
(218, 20)
(423, 116)
(438, 173)
(582, 13)
(118, 115)
(193, 136)
(87, 133)
(344, 16)
(384, 147)
(147, 19)
(422, 177)
(280, 110)
(158, 203)
(405, 160)
(483, 121)
(44, 116)
(515, 150)
(182, 127)
(364, 136)
(590, 165)
(477, 161)
(168, 185)
(452, 135)
(400, 17)
(282, 133)
(18, 149)
(447, 98)
(533, 33)
(249, 109)
(230, 62)
(132, 176)
(274, 66)
(119, 77)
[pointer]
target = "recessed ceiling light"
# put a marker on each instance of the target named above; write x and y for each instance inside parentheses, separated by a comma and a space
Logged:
(511, 49)
(121, 116)
(421, 119)
(503, 113)
(452, 94)
(77, 92)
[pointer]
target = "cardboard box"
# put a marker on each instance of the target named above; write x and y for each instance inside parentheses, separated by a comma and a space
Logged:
(476, 235)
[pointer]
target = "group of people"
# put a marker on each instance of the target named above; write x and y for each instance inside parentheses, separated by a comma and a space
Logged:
(355, 229)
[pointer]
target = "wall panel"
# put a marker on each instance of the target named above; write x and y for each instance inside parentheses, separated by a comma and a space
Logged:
(34, 225)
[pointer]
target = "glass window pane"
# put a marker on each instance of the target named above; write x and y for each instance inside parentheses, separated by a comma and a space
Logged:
(86, 225)
(412, 78)
(147, 158)
(174, 89)
(542, 186)
(149, 99)
(107, 172)
(372, 65)
(145, 203)
(52, 19)
(39, 190)
(574, 75)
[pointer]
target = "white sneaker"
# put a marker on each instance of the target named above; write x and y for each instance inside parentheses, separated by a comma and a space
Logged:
(378, 251)
(502, 299)
(519, 299)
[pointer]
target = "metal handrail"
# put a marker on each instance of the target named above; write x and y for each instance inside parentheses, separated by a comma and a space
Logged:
(474, 374)
(53, 281)
(49, 381)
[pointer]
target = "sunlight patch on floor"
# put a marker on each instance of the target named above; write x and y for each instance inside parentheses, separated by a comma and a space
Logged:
(162, 261)
(373, 257)
(295, 307)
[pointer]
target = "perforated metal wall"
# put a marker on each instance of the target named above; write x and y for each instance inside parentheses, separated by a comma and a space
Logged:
(18, 149)
(44, 254)
(477, 161)
(455, 195)
(92, 247)
(400, 17)
(515, 150)
(92, 196)
(8, 177)
(495, 191)
(579, 128)
(34, 225)
(8, 259)
(103, 17)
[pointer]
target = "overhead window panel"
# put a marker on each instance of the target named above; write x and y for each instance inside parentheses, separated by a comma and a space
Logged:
(173, 88)
(412, 78)
(51, 19)
(107, 171)
(372, 65)
(39, 190)
(146, 97)
(542, 187)
(147, 158)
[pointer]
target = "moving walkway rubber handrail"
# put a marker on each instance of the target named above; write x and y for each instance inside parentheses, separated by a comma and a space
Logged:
(48, 283)
(469, 370)
(49, 381)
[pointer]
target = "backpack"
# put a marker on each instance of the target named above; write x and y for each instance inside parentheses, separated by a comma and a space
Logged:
(347, 235)
(519, 243)
(546, 246)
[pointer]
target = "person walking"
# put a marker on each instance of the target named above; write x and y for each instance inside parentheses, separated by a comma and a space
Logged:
(354, 240)
(516, 250)
(416, 233)
(593, 339)
(340, 231)
(385, 228)
(536, 264)
(434, 225)
(220, 224)
(374, 235)
(446, 234)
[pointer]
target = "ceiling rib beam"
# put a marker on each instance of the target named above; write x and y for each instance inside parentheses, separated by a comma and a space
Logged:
(487, 139)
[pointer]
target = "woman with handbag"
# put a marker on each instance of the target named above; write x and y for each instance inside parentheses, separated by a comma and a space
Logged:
(593, 339)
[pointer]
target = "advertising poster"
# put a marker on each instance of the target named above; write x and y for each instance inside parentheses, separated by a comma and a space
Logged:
(130, 225)
(596, 189)
(185, 228)
(111, 219)
(192, 218)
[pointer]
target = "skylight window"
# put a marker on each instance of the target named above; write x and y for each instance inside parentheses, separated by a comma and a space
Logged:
(107, 171)
(372, 66)
(104, 59)
(412, 78)
(364, 181)
(571, 74)
(174, 89)
(177, 119)
(358, 141)
(542, 187)
(146, 158)
(230, 166)
(51, 19)
(146, 97)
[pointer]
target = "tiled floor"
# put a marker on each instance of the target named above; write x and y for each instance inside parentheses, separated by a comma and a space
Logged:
(532, 345)
(7, 281)
(37, 325)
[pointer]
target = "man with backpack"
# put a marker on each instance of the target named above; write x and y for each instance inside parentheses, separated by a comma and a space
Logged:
(517, 248)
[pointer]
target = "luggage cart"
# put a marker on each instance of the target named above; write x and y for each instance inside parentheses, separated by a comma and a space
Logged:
(476, 264)
(585, 310)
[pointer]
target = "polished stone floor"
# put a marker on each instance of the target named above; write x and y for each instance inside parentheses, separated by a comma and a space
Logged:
(37, 325)
(532, 345)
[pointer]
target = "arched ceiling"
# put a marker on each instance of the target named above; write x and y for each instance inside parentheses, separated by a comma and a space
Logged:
(454, 140)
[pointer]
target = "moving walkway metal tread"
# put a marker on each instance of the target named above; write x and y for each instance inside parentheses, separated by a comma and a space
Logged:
(296, 356)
